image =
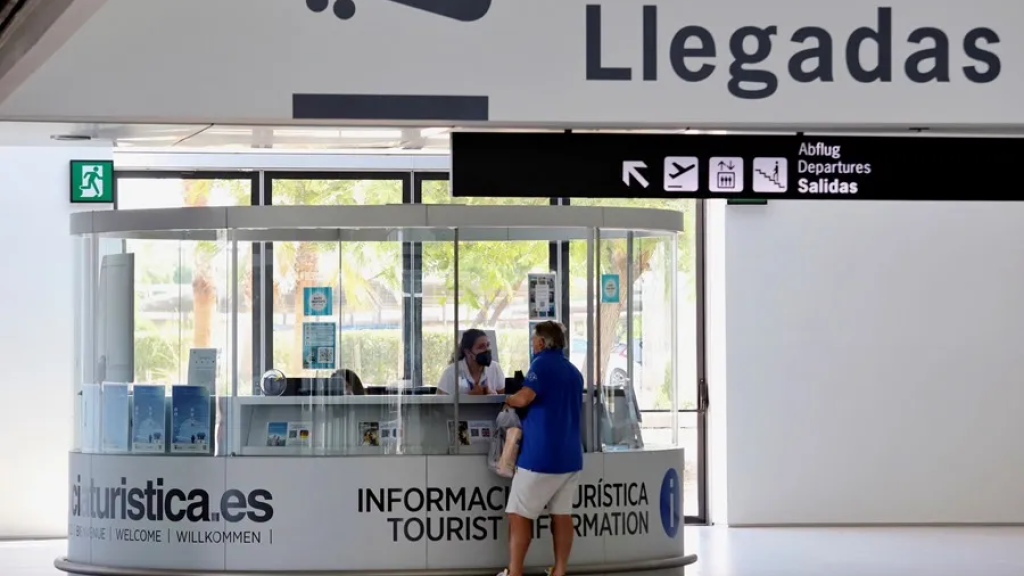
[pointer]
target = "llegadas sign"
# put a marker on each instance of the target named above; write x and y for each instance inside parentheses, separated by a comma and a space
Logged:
(802, 64)
(693, 51)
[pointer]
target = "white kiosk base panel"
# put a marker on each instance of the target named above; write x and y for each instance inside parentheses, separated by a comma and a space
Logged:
(156, 515)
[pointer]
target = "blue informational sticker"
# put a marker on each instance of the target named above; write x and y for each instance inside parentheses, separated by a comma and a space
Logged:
(610, 288)
(318, 301)
(318, 345)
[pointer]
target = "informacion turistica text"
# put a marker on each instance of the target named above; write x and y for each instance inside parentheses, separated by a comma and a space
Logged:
(821, 170)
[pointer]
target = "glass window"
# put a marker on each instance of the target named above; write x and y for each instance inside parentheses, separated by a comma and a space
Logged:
(368, 305)
(689, 436)
(686, 289)
(183, 288)
(334, 190)
(438, 191)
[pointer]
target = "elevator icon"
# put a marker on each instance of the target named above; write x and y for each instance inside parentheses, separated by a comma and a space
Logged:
(725, 174)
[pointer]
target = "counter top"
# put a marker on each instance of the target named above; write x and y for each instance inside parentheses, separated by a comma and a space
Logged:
(368, 399)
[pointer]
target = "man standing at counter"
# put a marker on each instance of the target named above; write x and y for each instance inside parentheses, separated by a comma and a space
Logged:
(551, 457)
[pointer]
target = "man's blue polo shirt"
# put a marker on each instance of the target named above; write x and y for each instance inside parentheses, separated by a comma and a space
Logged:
(551, 429)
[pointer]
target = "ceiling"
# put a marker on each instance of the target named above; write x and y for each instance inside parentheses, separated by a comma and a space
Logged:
(228, 138)
(235, 138)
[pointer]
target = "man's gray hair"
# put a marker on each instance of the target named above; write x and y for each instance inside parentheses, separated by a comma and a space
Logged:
(552, 333)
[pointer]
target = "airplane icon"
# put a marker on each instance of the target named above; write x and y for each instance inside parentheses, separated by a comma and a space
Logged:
(461, 10)
(679, 170)
(681, 174)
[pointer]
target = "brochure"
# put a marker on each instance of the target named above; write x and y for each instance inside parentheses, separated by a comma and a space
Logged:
(149, 419)
(91, 417)
(299, 434)
(369, 433)
(467, 432)
(277, 434)
(115, 417)
(202, 368)
(190, 419)
(390, 432)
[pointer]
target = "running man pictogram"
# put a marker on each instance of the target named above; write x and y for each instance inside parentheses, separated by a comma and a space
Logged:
(92, 182)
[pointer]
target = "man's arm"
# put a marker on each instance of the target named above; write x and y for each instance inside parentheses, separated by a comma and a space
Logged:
(521, 399)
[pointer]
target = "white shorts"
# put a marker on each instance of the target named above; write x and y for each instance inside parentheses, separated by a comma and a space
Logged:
(532, 491)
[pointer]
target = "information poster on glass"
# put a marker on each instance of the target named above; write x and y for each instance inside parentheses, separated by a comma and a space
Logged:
(115, 419)
(610, 288)
(543, 296)
(318, 344)
(190, 419)
(317, 301)
(149, 419)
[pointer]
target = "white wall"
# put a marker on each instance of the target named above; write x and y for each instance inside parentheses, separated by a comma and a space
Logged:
(36, 335)
(875, 357)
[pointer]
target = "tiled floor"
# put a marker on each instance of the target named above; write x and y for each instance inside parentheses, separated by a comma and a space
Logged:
(764, 552)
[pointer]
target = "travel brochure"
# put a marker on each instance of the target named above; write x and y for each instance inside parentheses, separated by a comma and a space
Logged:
(290, 434)
(390, 432)
(372, 433)
(149, 419)
(190, 419)
(116, 417)
(369, 433)
(91, 417)
(468, 432)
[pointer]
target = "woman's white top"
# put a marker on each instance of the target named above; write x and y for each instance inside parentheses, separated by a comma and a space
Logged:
(492, 377)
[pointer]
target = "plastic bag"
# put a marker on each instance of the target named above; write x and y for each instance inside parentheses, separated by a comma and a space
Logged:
(507, 463)
(504, 449)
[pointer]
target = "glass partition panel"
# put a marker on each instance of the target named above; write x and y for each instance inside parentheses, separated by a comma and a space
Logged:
(156, 346)
(634, 328)
(341, 341)
(494, 290)
(686, 285)
(689, 435)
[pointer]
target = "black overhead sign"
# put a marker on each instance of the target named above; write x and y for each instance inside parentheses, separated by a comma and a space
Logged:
(590, 165)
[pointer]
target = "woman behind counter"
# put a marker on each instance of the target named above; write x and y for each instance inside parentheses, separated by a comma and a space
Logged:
(473, 367)
(353, 384)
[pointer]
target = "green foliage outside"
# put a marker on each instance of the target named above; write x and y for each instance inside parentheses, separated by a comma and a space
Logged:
(367, 276)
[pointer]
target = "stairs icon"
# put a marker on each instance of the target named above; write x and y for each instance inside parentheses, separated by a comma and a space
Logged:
(771, 175)
(770, 178)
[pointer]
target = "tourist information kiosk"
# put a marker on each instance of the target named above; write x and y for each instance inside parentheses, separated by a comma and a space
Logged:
(213, 466)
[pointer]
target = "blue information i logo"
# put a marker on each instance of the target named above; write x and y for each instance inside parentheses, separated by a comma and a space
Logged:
(671, 503)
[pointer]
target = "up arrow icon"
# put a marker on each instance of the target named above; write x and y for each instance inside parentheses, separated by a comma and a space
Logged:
(631, 171)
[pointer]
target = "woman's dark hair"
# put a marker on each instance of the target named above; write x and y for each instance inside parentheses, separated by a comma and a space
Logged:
(469, 338)
(352, 381)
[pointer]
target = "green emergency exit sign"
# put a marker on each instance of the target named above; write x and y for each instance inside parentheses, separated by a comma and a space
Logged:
(92, 181)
